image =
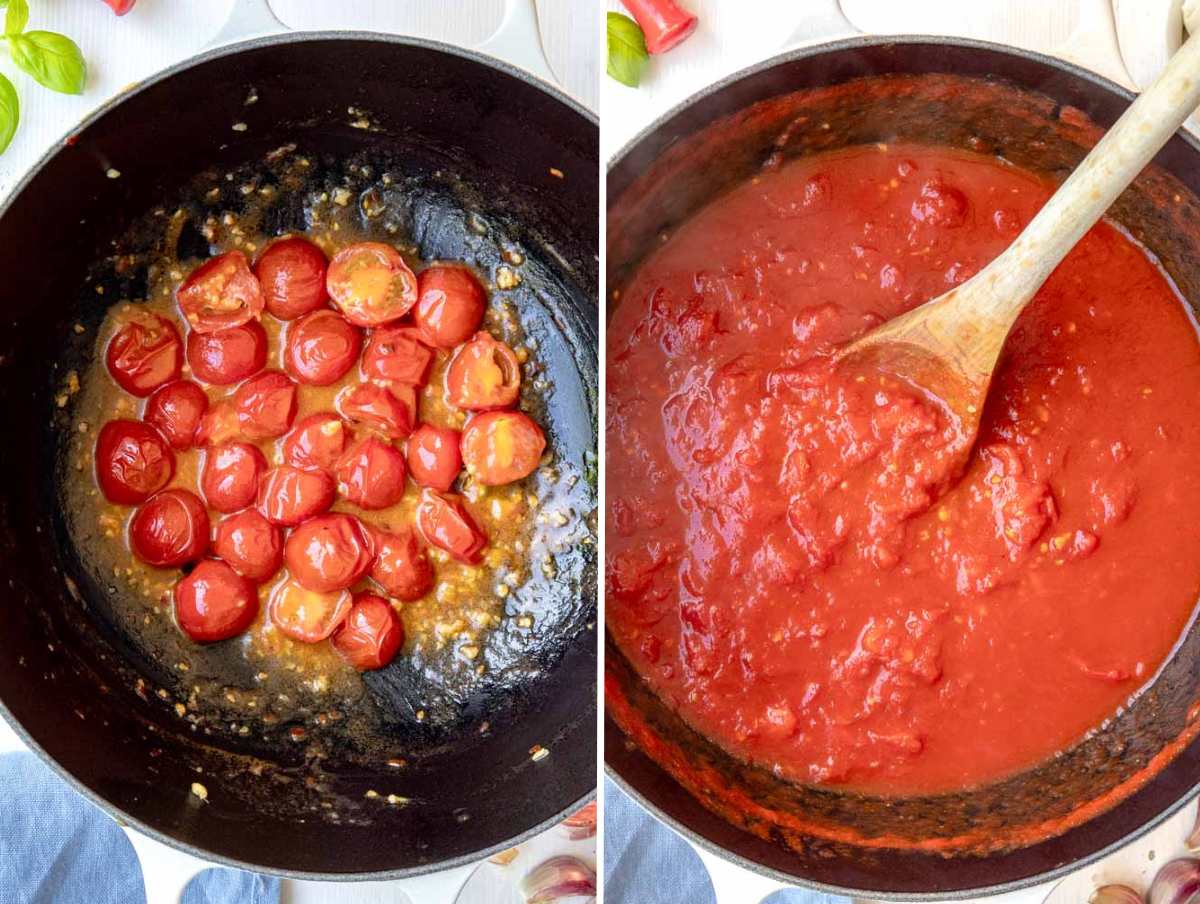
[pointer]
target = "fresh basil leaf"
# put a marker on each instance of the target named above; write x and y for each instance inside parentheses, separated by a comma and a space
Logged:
(53, 60)
(627, 56)
(10, 112)
(17, 17)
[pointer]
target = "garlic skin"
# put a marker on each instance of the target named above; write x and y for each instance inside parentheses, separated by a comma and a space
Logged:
(559, 879)
(1193, 839)
(581, 824)
(1115, 894)
(1177, 883)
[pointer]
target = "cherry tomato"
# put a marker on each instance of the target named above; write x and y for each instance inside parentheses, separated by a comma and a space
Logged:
(330, 552)
(145, 353)
(396, 354)
(176, 410)
(370, 284)
(380, 409)
(214, 602)
(444, 522)
(219, 425)
(169, 529)
(371, 635)
(308, 616)
(120, 7)
(450, 304)
(231, 476)
(433, 456)
(370, 474)
(484, 374)
(289, 495)
(320, 347)
(292, 274)
(220, 293)
(501, 446)
(133, 462)
(266, 405)
(228, 356)
(401, 567)
(251, 544)
(317, 442)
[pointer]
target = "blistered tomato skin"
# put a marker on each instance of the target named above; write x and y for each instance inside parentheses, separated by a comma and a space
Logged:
(266, 405)
(401, 566)
(288, 495)
(292, 274)
(499, 447)
(308, 616)
(371, 635)
(484, 375)
(169, 529)
(251, 544)
(380, 409)
(225, 357)
(219, 425)
(434, 459)
(371, 473)
(317, 442)
(231, 476)
(214, 602)
(321, 347)
(370, 284)
(145, 353)
(328, 553)
(444, 522)
(397, 354)
(450, 305)
(220, 293)
(175, 411)
(133, 462)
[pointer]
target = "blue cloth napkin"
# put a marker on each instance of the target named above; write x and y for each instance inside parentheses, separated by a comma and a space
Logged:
(57, 848)
(647, 863)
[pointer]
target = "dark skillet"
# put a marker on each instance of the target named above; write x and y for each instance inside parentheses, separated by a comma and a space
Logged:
(470, 142)
(1035, 112)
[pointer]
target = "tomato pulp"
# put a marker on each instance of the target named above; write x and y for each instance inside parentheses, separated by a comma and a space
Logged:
(800, 562)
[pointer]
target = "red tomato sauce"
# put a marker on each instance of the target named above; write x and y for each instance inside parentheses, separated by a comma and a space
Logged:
(800, 559)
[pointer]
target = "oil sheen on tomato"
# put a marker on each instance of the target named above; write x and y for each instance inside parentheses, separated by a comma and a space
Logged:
(798, 560)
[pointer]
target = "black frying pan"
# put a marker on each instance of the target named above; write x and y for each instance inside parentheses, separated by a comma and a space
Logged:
(466, 141)
(1034, 111)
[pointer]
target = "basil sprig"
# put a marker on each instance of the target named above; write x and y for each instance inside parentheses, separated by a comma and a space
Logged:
(627, 56)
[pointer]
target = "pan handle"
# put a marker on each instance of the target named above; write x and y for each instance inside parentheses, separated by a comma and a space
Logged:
(821, 21)
(248, 19)
(436, 888)
(734, 885)
(165, 870)
(518, 42)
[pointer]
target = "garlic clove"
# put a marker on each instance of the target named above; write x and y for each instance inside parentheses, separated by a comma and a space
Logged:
(1177, 883)
(1115, 894)
(559, 879)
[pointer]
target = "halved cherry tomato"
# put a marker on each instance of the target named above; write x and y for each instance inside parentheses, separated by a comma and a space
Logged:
(219, 425)
(227, 356)
(292, 274)
(483, 375)
(379, 408)
(370, 474)
(397, 354)
(331, 552)
(444, 522)
(308, 616)
(320, 347)
(171, 528)
(133, 462)
(370, 284)
(214, 602)
(145, 353)
(251, 544)
(499, 447)
(231, 476)
(433, 456)
(288, 495)
(176, 410)
(450, 305)
(318, 442)
(266, 405)
(371, 635)
(401, 567)
(220, 293)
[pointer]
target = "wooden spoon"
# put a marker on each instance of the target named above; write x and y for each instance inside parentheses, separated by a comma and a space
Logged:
(949, 346)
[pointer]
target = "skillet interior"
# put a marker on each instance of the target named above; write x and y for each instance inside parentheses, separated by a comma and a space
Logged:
(806, 103)
(466, 140)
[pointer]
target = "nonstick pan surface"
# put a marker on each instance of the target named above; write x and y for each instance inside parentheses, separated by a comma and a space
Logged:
(478, 159)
